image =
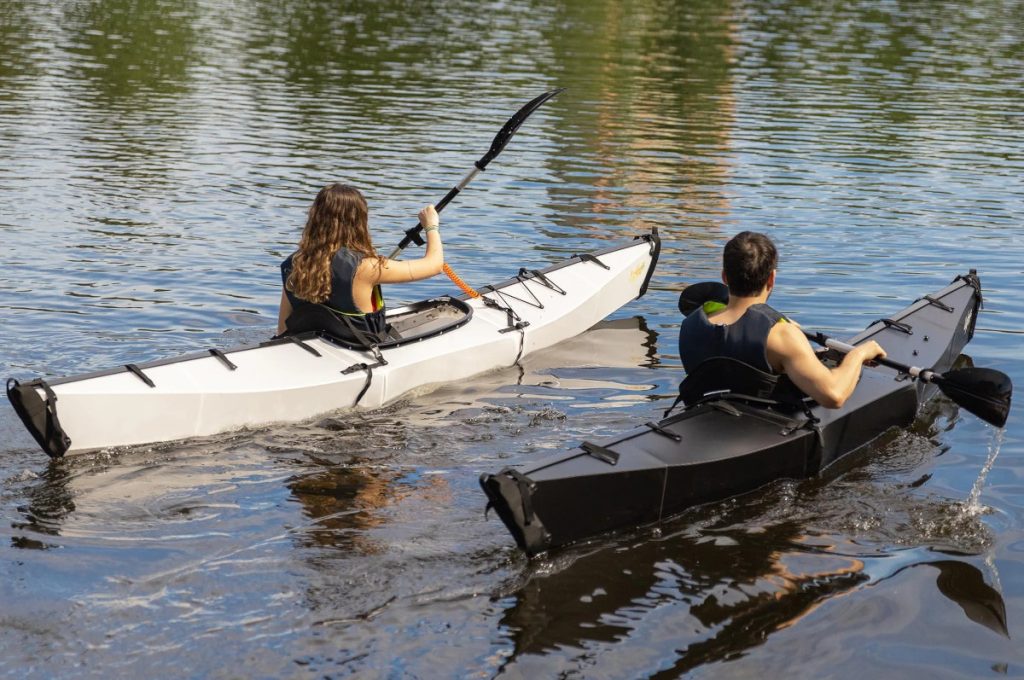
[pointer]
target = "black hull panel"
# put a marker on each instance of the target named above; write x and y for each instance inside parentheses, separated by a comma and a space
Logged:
(724, 448)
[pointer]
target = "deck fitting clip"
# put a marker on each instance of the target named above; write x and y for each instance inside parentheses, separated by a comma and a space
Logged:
(663, 432)
(937, 303)
(223, 358)
(725, 407)
(132, 368)
(600, 452)
(308, 348)
(587, 257)
(897, 325)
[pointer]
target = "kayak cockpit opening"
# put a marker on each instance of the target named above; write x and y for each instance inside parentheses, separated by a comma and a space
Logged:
(409, 323)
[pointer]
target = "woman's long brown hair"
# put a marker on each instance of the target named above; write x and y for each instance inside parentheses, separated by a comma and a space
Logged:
(337, 219)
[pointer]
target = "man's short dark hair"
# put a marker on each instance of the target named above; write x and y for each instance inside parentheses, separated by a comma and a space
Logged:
(748, 261)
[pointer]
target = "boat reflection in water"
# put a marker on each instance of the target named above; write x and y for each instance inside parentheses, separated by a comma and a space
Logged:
(361, 485)
(721, 579)
(344, 470)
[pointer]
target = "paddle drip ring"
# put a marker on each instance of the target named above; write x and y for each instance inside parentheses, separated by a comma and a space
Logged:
(459, 282)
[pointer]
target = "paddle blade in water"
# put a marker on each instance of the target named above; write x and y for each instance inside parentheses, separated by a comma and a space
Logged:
(985, 392)
(695, 295)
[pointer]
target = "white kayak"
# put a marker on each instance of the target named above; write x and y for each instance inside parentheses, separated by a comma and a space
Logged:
(302, 376)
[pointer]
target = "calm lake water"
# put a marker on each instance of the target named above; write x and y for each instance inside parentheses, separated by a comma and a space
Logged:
(157, 161)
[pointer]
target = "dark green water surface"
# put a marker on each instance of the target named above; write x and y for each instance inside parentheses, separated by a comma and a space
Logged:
(156, 162)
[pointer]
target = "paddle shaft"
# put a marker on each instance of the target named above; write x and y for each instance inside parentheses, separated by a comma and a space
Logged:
(413, 235)
(923, 373)
(497, 145)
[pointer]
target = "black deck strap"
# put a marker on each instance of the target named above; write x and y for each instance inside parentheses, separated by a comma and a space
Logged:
(494, 304)
(971, 278)
(369, 377)
(525, 485)
(655, 242)
(223, 358)
(518, 326)
(935, 302)
(808, 422)
(514, 321)
(522, 342)
(587, 257)
(672, 407)
(132, 368)
(601, 453)
(662, 431)
(897, 325)
(525, 273)
(365, 341)
(300, 343)
(39, 415)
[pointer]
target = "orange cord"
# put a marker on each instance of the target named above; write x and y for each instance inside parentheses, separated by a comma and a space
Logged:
(459, 282)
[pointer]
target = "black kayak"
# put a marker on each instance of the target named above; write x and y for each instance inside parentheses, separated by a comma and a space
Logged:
(723, 447)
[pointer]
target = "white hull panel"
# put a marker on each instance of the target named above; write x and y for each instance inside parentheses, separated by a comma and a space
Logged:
(281, 381)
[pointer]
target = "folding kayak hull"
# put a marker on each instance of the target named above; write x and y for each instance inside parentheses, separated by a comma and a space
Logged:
(296, 378)
(722, 448)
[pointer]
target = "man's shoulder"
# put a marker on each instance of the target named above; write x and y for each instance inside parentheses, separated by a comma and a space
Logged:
(786, 336)
(770, 312)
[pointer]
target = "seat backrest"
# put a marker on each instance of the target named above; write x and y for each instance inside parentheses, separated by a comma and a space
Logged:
(313, 317)
(724, 374)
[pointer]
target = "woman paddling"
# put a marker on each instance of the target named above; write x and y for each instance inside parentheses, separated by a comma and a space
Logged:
(337, 267)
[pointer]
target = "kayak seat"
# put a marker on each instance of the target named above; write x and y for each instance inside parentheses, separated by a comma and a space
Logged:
(721, 375)
(404, 325)
(318, 318)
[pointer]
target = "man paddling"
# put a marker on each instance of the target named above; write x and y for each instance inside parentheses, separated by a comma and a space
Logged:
(748, 330)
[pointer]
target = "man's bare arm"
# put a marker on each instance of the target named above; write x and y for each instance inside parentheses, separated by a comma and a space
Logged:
(790, 352)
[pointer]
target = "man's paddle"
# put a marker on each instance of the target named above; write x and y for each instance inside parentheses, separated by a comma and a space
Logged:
(500, 141)
(985, 392)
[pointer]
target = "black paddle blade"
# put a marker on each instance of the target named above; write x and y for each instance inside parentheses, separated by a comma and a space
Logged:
(696, 294)
(505, 133)
(985, 392)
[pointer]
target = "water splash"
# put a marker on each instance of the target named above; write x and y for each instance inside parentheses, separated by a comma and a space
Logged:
(973, 505)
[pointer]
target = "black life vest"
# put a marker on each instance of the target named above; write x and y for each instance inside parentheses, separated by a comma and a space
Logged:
(745, 340)
(338, 315)
(732, 358)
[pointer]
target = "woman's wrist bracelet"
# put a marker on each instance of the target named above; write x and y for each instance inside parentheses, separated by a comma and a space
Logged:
(427, 230)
